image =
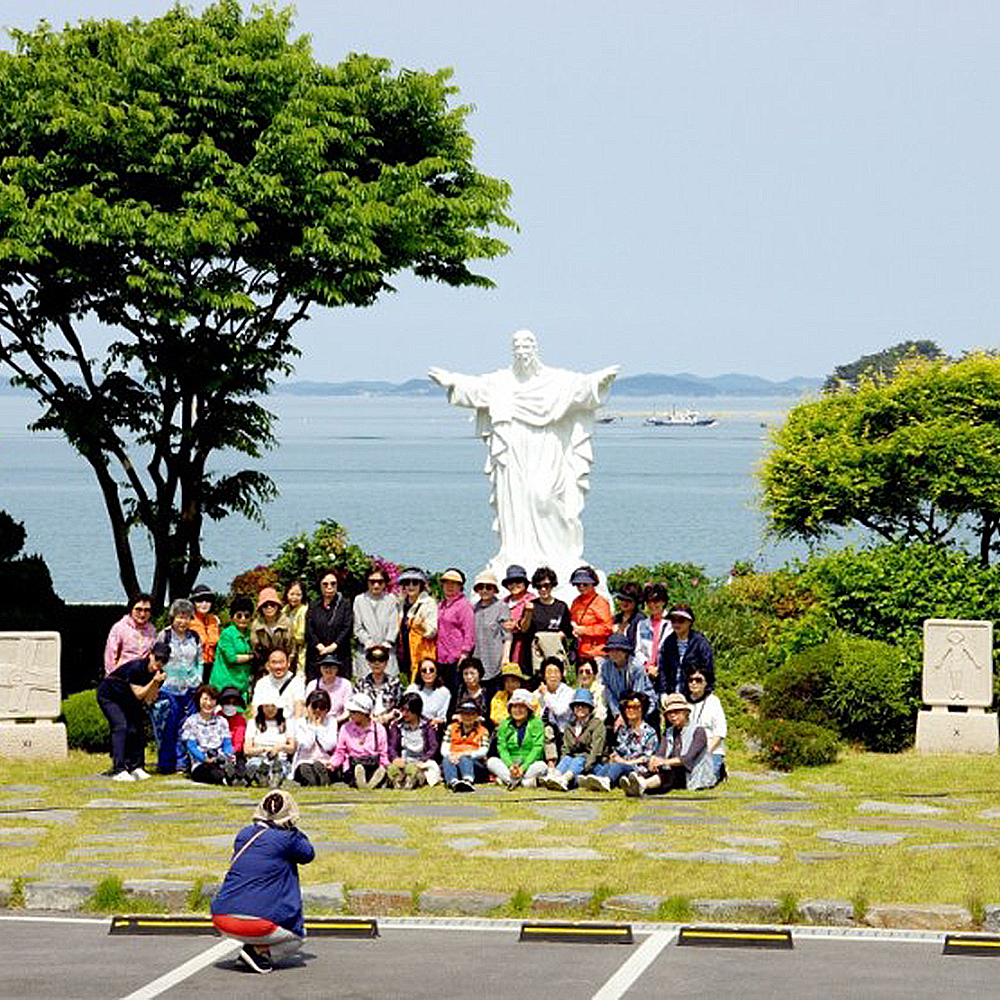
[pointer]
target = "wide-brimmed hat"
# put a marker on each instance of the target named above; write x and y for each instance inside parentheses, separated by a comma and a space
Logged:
(277, 808)
(514, 572)
(486, 579)
(201, 592)
(671, 701)
(268, 596)
(582, 697)
(455, 575)
(512, 670)
(521, 697)
(359, 702)
(232, 692)
(618, 640)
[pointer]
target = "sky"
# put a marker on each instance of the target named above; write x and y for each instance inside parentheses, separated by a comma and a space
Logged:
(772, 188)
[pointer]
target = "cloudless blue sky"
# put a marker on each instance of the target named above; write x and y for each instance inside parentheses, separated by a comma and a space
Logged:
(768, 187)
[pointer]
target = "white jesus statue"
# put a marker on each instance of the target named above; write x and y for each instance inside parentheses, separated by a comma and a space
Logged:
(536, 422)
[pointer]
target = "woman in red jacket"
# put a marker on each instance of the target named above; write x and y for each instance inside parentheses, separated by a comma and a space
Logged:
(590, 614)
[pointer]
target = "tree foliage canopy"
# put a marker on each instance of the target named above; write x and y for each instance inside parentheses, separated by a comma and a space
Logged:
(915, 458)
(882, 364)
(195, 184)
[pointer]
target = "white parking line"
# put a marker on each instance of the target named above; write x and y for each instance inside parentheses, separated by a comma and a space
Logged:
(182, 972)
(638, 962)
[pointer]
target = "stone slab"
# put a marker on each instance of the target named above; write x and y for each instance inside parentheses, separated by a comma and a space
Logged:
(442, 810)
(780, 788)
(568, 812)
(26, 789)
(740, 841)
(467, 902)
(560, 902)
(736, 909)
(379, 831)
(543, 854)
(939, 917)
(320, 898)
(123, 804)
(958, 662)
(957, 732)
(465, 843)
(29, 677)
(168, 893)
(19, 843)
(33, 740)
(948, 826)
(862, 838)
(61, 896)
(779, 807)
(724, 856)
(991, 919)
(60, 817)
(818, 857)
(827, 912)
(214, 840)
(830, 787)
(117, 839)
(898, 808)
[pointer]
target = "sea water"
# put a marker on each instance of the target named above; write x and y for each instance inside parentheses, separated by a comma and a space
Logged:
(404, 475)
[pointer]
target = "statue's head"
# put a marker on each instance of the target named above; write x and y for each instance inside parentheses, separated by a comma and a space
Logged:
(525, 351)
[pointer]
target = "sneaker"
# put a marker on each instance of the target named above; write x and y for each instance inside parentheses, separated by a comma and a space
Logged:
(529, 782)
(409, 782)
(623, 782)
(378, 776)
(255, 959)
(122, 776)
(634, 787)
(463, 785)
(561, 782)
(140, 774)
(360, 780)
(588, 782)
(600, 783)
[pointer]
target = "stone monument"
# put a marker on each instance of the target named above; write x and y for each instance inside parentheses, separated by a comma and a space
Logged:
(536, 423)
(958, 687)
(29, 695)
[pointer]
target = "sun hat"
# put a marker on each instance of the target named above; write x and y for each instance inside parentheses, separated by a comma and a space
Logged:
(277, 808)
(486, 579)
(521, 697)
(232, 692)
(328, 660)
(671, 701)
(512, 670)
(412, 575)
(359, 702)
(583, 574)
(678, 612)
(467, 706)
(201, 592)
(618, 640)
(514, 573)
(455, 575)
(582, 697)
(268, 596)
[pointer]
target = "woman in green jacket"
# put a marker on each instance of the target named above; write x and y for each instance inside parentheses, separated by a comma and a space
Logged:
(520, 744)
(233, 654)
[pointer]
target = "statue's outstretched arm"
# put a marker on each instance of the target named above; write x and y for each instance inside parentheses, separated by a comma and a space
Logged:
(443, 378)
(606, 376)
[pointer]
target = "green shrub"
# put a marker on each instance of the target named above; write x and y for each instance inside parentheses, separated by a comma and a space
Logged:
(785, 745)
(797, 691)
(86, 725)
(875, 694)
(683, 581)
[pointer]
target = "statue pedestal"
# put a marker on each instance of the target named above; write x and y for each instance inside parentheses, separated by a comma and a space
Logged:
(941, 731)
(33, 740)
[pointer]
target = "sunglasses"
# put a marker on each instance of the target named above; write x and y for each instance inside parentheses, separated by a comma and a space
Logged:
(378, 659)
(428, 670)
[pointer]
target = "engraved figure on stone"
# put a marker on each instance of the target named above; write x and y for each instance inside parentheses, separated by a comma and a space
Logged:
(954, 660)
(536, 422)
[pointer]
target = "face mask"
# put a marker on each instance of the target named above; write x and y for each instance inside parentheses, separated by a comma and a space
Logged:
(229, 709)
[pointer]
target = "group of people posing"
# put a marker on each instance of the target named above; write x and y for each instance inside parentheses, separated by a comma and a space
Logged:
(521, 689)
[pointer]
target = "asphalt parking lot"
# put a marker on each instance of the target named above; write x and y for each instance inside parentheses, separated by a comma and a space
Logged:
(76, 959)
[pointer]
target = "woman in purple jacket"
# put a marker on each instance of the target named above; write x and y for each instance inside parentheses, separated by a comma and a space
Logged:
(260, 901)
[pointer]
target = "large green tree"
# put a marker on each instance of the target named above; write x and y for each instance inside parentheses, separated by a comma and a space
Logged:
(189, 187)
(912, 458)
(881, 364)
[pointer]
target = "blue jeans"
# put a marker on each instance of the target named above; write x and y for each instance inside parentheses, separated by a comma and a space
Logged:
(613, 771)
(572, 764)
(169, 711)
(465, 769)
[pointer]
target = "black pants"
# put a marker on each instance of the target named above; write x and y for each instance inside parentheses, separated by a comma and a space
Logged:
(128, 731)
(671, 778)
(449, 674)
(310, 773)
(208, 772)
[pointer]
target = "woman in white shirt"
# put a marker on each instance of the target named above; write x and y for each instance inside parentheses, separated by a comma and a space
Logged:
(707, 712)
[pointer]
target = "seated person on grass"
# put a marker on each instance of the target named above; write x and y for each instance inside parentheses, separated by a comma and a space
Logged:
(471, 689)
(206, 739)
(635, 742)
(260, 901)
(582, 744)
(269, 745)
(520, 744)
(682, 759)
(463, 752)
(362, 752)
(413, 745)
(315, 741)
(281, 687)
(511, 678)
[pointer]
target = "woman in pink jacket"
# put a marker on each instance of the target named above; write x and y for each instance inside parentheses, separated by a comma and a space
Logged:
(362, 752)
(456, 628)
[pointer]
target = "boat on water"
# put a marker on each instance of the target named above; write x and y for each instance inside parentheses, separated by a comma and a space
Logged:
(681, 418)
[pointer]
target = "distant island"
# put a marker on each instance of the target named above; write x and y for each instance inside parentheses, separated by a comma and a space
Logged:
(683, 384)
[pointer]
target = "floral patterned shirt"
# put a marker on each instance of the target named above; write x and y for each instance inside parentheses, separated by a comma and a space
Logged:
(631, 743)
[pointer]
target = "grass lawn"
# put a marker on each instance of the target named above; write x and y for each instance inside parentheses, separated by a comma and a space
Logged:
(946, 811)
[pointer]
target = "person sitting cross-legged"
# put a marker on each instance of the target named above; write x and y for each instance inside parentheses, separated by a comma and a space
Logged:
(413, 745)
(520, 744)
(207, 740)
(464, 748)
(635, 742)
(582, 744)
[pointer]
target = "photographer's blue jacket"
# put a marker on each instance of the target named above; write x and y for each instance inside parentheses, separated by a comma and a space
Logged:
(264, 880)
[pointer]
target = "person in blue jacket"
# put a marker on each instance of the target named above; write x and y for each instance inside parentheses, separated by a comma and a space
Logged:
(260, 902)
